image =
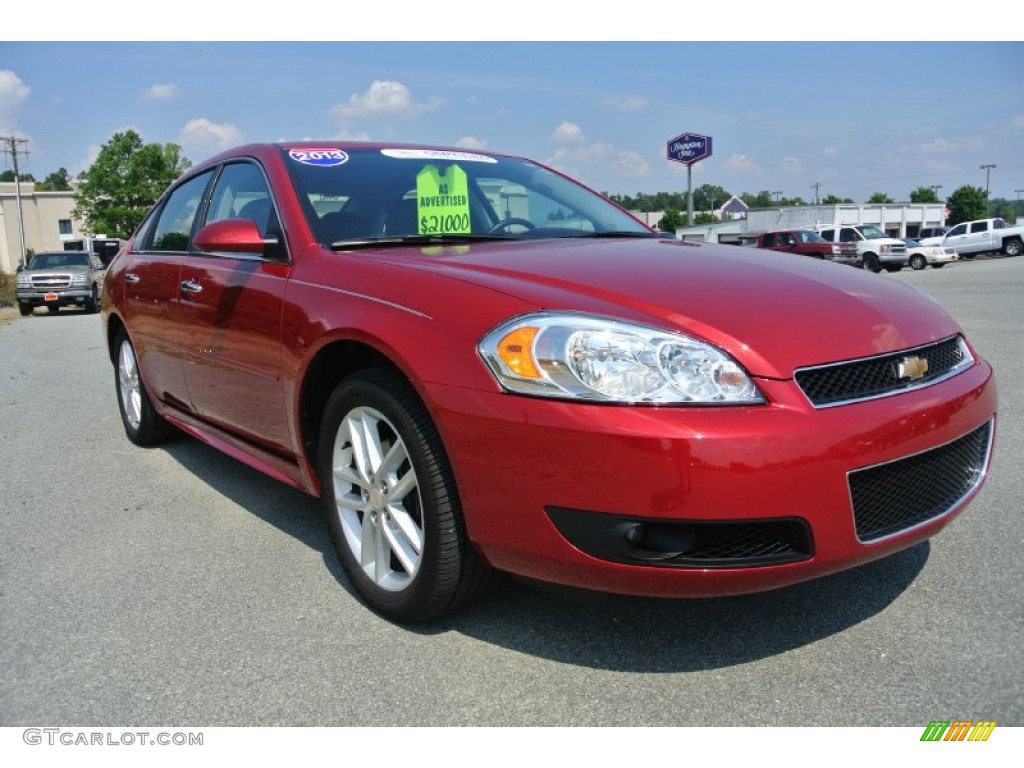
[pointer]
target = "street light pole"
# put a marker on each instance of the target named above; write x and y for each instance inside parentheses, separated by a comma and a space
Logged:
(987, 168)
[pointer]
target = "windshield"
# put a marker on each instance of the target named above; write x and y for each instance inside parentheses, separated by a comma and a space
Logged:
(400, 195)
(59, 260)
(872, 232)
(806, 236)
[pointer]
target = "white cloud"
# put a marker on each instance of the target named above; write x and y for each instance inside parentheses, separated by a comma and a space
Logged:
(12, 91)
(947, 146)
(625, 103)
(738, 163)
(792, 165)
(160, 92)
(624, 163)
(830, 152)
(567, 133)
(91, 153)
(202, 135)
(346, 135)
(384, 98)
(471, 142)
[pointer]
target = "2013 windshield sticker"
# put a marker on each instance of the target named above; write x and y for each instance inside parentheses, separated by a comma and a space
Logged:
(324, 158)
(442, 201)
(437, 154)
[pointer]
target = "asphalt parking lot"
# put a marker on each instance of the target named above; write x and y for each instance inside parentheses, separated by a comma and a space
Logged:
(177, 586)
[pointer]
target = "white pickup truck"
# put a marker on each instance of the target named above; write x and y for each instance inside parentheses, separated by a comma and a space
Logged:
(970, 238)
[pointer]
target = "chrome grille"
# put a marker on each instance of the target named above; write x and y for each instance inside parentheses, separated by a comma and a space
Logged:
(872, 377)
(51, 281)
(892, 497)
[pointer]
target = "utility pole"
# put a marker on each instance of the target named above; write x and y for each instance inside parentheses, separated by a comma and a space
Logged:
(1016, 209)
(11, 148)
(987, 168)
(816, 186)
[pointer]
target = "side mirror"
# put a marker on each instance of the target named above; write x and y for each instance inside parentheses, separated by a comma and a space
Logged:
(232, 236)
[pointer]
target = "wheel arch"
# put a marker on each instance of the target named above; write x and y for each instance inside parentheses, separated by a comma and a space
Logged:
(114, 326)
(331, 364)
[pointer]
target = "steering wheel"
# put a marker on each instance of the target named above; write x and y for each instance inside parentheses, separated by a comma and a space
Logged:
(506, 223)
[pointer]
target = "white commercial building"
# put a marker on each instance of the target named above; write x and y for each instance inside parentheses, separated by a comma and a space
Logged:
(896, 219)
(48, 222)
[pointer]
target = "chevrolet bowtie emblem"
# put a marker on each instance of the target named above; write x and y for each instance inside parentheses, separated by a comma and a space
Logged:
(912, 367)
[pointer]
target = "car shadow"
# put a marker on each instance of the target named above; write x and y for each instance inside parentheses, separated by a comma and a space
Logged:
(596, 630)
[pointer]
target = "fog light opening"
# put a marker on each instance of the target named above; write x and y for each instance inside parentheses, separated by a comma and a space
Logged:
(653, 541)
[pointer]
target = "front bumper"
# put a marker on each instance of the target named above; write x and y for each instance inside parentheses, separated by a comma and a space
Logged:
(63, 297)
(521, 462)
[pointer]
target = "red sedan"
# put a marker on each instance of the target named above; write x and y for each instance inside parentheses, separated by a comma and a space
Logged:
(479, 365)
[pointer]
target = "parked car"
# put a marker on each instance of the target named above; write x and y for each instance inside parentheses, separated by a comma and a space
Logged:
(878, 251)
(480, 365)
(971, 238)
(807, 242)
(931, 232)
(921, 256)
(55, 279)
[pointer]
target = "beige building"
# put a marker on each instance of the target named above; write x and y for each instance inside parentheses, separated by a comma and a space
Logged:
(48, 222)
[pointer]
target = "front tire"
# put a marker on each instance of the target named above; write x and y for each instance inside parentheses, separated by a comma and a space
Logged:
(871, 263)
(25, 309)
(92, 304)
(143, 425)
(918, 262)
(390, 500)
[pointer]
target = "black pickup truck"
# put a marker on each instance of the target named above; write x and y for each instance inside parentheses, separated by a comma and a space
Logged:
(58, 279)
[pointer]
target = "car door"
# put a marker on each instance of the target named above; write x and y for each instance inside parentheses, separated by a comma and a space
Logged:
(151, 290)
(231, 320)
(957, 238)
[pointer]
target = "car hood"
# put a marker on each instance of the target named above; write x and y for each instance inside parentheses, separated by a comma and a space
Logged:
(773, 312)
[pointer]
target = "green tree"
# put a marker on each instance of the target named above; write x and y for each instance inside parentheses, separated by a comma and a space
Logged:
(672, 220)
(880, 197)
(762, 199)
(924, 195)
(704, 218)
(709, 197)
(124, 181)
(58, 181)
(966, 204)
(9, 176)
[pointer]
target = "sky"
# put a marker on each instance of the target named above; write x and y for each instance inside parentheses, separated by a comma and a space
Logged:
(855, 117)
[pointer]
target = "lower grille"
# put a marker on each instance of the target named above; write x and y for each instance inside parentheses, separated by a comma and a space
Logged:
(890, 498)
(684, 543)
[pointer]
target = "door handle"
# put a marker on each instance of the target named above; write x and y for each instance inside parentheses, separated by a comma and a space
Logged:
(191, 286)
(131, 277)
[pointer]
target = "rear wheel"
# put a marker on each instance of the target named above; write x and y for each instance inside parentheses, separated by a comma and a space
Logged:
(917, 261)
(1012, 248)
(391, 503)
(143, 425)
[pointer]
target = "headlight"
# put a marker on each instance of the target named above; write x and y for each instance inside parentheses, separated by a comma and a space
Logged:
(24, 281)
(79, 279)
(595, 358)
